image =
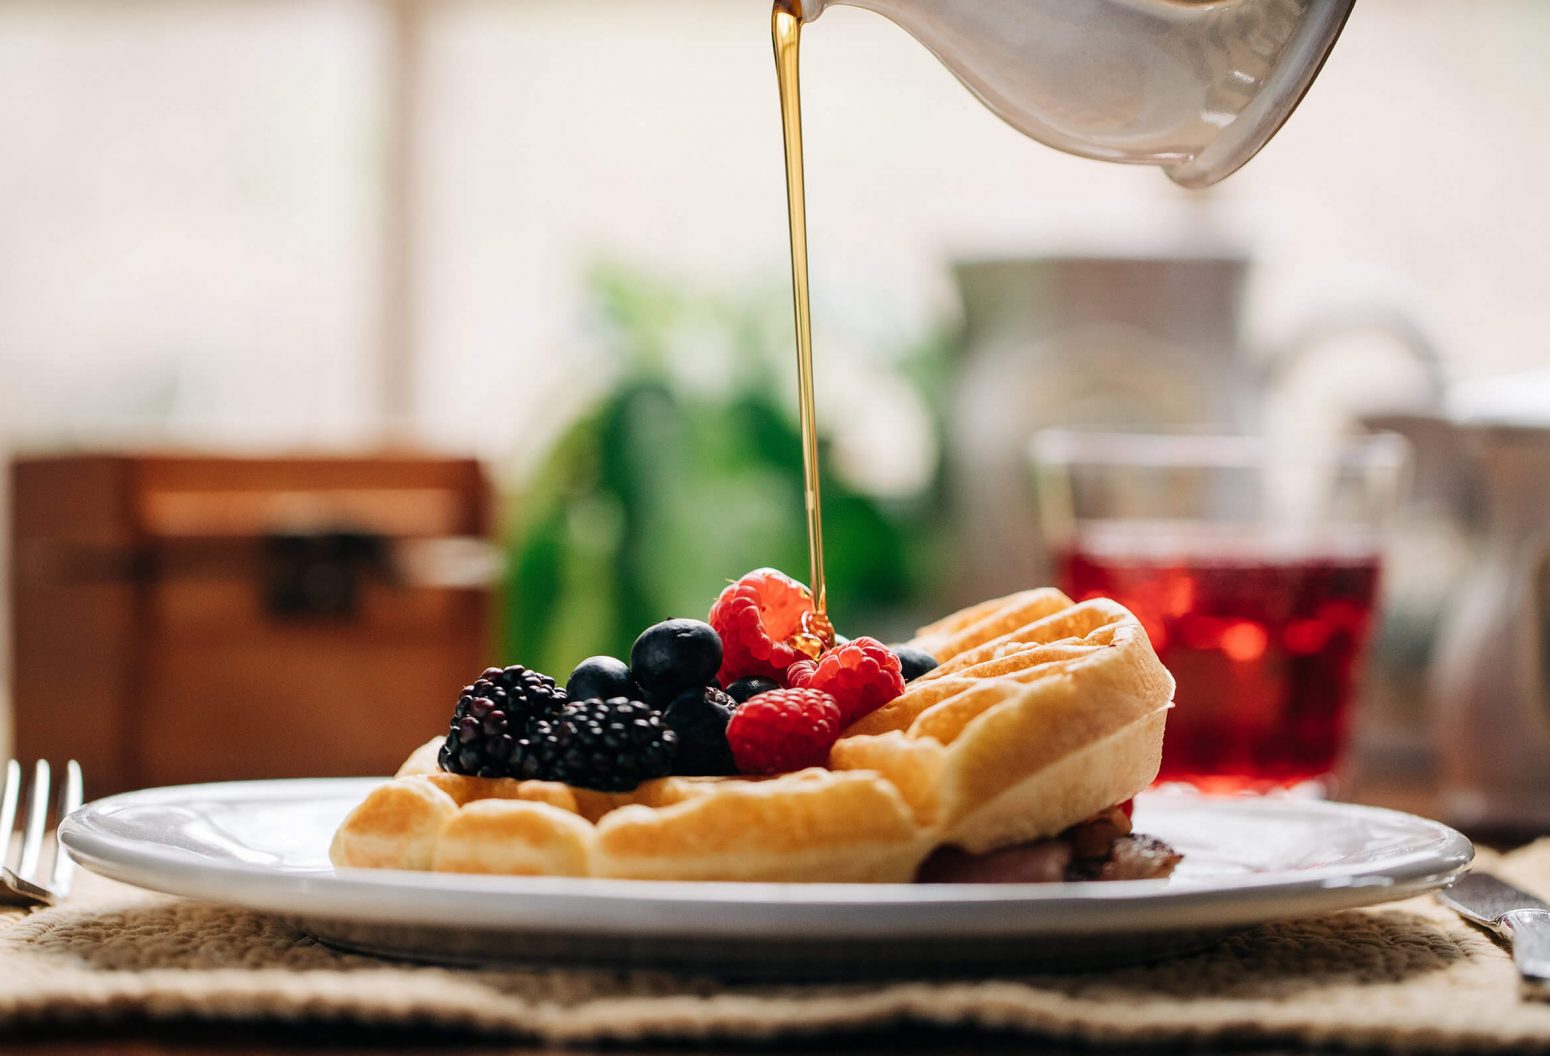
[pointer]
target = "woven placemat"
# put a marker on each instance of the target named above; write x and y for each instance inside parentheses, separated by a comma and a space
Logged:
(1410, 975)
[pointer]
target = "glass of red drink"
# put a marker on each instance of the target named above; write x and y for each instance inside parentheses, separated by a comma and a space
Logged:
(1254, 569)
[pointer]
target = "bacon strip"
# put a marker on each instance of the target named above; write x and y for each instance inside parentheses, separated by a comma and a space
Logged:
(1102, 848)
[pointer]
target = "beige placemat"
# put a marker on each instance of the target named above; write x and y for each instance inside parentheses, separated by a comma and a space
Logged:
(1406, 976)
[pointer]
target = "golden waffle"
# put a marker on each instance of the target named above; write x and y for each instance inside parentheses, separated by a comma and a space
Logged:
(1042, 714)
(813, 825)
(1024, 730)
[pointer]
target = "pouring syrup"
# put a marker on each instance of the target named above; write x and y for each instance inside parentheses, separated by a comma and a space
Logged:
(786, 30)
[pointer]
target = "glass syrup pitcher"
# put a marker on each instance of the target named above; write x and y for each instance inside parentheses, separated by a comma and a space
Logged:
(1196, 86)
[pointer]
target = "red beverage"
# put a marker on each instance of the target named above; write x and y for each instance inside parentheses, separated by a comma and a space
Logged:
(1264, 644)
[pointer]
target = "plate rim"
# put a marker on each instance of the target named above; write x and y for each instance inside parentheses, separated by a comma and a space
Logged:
(659, 907)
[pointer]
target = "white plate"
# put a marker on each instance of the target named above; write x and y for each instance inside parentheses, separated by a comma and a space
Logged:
(264, 845)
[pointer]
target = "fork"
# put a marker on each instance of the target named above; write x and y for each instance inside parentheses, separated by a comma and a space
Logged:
(22, 881)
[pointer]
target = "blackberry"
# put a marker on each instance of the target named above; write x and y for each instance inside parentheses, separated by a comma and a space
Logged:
(608, 745)
(492, 719)
(699, 717)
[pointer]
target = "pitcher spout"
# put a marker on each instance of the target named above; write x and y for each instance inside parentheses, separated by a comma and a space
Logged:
(1197, 88)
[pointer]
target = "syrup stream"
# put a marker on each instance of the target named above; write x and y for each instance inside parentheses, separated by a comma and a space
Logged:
(786, 28)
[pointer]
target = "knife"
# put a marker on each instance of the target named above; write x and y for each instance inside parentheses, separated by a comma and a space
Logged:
(1517, 916)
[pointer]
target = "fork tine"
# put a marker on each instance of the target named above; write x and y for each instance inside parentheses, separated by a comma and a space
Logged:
(37, 822)
(69, 803)
(10, 796)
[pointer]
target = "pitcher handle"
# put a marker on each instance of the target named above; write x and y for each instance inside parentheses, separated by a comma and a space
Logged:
(1363, 309)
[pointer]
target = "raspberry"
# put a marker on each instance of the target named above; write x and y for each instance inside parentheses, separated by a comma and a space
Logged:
(800, 674)
(756, 618)
(862, 675)
(784, 729)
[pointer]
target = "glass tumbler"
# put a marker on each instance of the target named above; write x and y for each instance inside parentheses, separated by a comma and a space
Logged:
(1254, 568)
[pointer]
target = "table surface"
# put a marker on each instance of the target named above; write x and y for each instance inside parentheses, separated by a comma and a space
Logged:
(202, 1038)
(194, 1039)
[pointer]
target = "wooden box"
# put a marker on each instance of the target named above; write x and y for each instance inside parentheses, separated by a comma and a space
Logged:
(180, 619)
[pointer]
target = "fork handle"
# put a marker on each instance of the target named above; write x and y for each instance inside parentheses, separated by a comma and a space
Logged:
(1529, 931)
(14, 891)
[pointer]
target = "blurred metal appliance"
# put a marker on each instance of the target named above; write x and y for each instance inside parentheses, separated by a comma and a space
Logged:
(1491, 678)
(197, 618)
(1145, 343)
(1429, 556)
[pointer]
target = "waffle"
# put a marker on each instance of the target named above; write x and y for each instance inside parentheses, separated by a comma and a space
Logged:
(1042, 714)
(812, 825)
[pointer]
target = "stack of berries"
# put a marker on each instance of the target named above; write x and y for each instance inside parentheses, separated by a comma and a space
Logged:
(759, 689)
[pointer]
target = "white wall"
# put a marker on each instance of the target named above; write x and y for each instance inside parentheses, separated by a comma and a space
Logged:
(565, 129)
(190, 192)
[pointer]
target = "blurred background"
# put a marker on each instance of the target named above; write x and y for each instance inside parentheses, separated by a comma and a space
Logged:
(520, 269)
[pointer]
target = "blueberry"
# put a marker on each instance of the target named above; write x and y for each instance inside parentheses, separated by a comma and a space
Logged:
(601, 678)
(675, 655)
(699, 717)
(914, 662)
(744, 688)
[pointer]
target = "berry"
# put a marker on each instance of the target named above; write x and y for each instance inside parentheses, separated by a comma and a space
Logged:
(607, 745)
(744, 688)
(492, 717)
(599, 678)
(699, 717)
(757, 617)
(914, 662)
(800, 673)
(675, 655)
(862, 676)
(784, 729)
(481, 740)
